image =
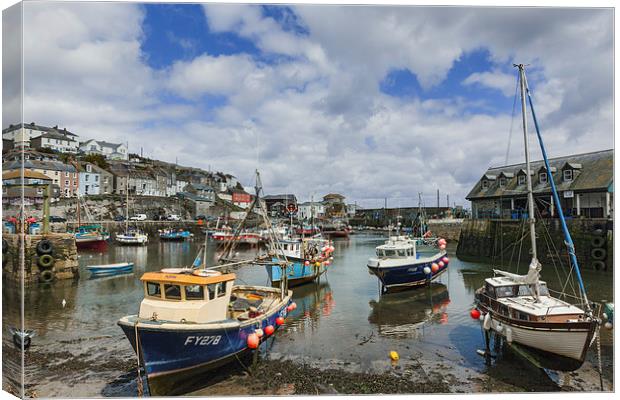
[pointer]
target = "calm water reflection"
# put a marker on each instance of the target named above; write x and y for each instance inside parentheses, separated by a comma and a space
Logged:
(343, 319)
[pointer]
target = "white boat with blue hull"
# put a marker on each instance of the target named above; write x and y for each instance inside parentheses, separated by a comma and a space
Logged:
(306, 260)
(191, 321)
(398, 265)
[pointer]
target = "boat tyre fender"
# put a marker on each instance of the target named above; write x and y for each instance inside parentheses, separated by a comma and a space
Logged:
(5, 246)
(45, 247)
(598, 254)
(598, 230)
(45, 261)
(598, 241)
(46, 276)
(598, 265)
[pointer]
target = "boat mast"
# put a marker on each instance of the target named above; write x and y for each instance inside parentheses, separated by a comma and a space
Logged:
(127, 204)
(530, 195)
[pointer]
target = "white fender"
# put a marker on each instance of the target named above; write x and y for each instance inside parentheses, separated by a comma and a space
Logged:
(486, 324)
(509, 335)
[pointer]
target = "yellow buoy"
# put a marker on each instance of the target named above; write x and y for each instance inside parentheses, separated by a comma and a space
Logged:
(394, 355)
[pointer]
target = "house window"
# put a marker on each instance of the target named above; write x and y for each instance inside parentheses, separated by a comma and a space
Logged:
(542, 177)
(502, 182)
(96, 178)
(66, 174)
(485, 184)
(568, 175)
(66, 183)
(89, 168)
(56, 173)
(86, 177)
(521, 179)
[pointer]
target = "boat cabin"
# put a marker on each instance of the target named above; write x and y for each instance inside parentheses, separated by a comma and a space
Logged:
(516, 300)
(201, 296)
(397, 247)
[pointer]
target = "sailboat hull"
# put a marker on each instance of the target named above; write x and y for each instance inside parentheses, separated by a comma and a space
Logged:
(569, 340)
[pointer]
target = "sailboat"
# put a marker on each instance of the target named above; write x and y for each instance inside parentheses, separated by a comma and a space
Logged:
(134, 235)
(521, 308)
(91, 236)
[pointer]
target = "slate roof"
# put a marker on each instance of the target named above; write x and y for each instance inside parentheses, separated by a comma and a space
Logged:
(35, 164)
(32, 125)
(280, 197)
(593, 172)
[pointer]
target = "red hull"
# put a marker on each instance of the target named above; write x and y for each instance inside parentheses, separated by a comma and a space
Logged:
(92, 245)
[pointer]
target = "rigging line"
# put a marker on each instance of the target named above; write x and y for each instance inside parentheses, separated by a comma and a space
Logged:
(512, 119)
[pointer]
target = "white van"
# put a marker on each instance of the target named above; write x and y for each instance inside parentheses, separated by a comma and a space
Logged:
(138, 217)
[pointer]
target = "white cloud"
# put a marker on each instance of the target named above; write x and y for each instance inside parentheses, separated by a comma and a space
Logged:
(495, 80)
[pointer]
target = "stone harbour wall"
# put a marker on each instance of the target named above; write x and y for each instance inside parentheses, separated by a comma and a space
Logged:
(64, 255)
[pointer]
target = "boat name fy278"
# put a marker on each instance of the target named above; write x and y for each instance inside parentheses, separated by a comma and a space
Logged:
(193, 320)
(399, 265)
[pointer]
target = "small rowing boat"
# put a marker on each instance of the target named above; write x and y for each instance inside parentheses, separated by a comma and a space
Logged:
(110, 269)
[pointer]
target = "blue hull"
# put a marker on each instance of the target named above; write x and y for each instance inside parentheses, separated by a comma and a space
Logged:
(173, 356)
(410, 275)
(297, 273)
(175, 235)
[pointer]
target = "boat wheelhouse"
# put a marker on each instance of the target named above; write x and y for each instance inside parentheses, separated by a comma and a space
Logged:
(398, 264)
(193, 320)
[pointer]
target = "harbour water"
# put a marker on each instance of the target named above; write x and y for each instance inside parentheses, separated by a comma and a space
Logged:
(340, 323)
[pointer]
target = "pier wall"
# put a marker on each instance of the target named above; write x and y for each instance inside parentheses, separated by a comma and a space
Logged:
(64, 254)
(449, 230)
(493, 239)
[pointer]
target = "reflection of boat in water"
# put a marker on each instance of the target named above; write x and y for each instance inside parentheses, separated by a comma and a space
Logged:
(313, 301)
(401, 314)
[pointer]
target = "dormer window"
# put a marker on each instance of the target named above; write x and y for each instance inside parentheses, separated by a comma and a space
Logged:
(568, 175)
(485, 184)
(542, 177)
(521, 179)
(502, 181)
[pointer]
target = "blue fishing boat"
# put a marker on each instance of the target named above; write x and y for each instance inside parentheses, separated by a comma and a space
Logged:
(174, 235)
(110, 269)
(193, 320)
(399, 265)
(306, 260)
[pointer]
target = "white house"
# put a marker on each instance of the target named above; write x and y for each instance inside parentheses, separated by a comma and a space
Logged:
(89, 180)
(180, 185)
(113, 151)
(22, 134)
(56, 140)
(309, 209)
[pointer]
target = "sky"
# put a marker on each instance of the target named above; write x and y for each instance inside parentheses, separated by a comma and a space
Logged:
(372, 102)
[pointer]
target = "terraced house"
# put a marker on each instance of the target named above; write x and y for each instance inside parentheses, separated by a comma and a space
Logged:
(584, 183)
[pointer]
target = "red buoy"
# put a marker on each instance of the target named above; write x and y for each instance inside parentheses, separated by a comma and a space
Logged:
(434, 267)
(442, 246)
(294, 305)
(445, 260)
(279, 321)
(307, 263)
(253, 341)
(475, 314)
(269, 329)
(441, 264)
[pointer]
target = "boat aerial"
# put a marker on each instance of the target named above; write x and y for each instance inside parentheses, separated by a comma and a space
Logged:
(399, 265)
(521, 308)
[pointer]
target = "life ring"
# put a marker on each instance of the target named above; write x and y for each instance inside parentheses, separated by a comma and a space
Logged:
(45, 261)
(598, 254)
(46, 276)
(45, 247)
(5, 246)
(598, 241)
(598, 265)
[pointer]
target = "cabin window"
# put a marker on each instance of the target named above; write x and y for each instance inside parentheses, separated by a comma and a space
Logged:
(194, 292)
(521, 316)
(521, 179)
(542, 177)
(490, 291)
(390, 253)
(568, 175)
(379, 253)
(524, 290)
(402, 253)
(505, 291)
(153, 289)
(211, 290)
(544, 291)
(173, 292)
(221, 289)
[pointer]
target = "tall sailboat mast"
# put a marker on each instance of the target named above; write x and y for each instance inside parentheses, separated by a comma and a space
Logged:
(127, 204)
(530, 195)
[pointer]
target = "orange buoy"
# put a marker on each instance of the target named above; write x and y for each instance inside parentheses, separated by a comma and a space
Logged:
(475, 314)
(269, 329)
(253, 341)
(279, 321)
(434, 267)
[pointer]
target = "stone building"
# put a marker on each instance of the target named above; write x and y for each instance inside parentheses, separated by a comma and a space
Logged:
(584, 183)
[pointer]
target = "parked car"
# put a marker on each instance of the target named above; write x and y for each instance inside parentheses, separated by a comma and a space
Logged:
(173, 217)
(56, 218)
(138, 217)
(119, 218)
(200, 217)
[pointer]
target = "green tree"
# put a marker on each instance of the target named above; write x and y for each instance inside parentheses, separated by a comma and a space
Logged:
(96, 159)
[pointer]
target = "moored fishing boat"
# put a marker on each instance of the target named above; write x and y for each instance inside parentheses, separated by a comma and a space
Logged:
(91, 237)
(133, 235)
(308, 259)
(110, 269)
(398, 265)
(178, 235)
(191, 322)
(521, 308)
(242, 238)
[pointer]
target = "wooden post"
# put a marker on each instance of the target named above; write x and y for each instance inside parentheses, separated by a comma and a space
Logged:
(607, 204)
(578, 199)
(551, 207)
(46, 208)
